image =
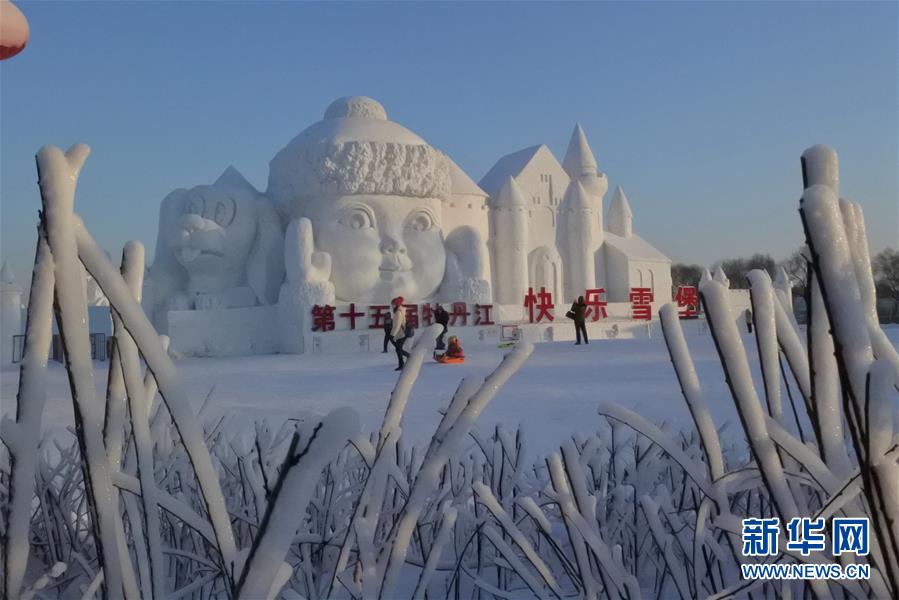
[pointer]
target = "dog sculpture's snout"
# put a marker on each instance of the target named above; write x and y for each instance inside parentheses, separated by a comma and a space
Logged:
(191, 223)
(200, 234)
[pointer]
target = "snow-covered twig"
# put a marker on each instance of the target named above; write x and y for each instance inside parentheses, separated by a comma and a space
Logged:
(736, 369)
(825, 379)
(427, 476)
(58, 177)
(129, 360)
(447, 523)
(138, 327)
(23, 436)
(290, 495)
(762, 298)
(692, 391)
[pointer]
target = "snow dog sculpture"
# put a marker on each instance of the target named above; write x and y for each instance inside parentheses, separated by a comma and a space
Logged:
(218, 246)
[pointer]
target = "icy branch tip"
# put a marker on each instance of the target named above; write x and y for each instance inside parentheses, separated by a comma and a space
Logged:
(522, 351)
(821, 166)
(133, 250)
(74, 156)
(668, 311)
(759, 277)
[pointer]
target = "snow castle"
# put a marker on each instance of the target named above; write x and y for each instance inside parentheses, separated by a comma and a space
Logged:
(360, 210)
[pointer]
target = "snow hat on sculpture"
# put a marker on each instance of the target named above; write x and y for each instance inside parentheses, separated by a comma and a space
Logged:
(355, 150)
(373, 192)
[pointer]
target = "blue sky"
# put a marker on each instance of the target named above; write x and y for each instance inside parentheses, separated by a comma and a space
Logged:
(699, 110)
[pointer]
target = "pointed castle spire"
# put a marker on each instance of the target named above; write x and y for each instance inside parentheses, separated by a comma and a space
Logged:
(577, 197)
(579, 159)
(784, 286)
(782, 281)
(721, 277)
(620, 220)
(509, 195)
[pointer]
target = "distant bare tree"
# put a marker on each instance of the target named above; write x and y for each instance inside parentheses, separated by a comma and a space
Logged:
(796, 267)
(736, 268)
(886, 272)
(682, 274)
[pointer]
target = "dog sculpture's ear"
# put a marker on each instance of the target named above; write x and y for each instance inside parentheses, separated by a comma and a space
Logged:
(165, 276)
(265, 266)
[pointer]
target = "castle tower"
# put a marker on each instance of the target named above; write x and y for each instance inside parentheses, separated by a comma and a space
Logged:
(581, 236)
(620, 216)
(580, 164)
(579, 159)
(10, 313)
(509, 216)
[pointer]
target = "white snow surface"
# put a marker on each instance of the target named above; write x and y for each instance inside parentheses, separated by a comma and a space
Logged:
(555, 394)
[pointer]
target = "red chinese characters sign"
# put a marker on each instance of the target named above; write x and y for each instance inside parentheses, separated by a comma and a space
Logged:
(459, 313)
(641, 303)
(322, 318)
(482, 314)
(351, 314)
(596, 304)
(542, 302)
(687, 301)
(412, 315)
(376, 316)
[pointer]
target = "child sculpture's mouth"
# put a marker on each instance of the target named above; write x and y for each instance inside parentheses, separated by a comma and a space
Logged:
(393, 265)
(189, 254)
(391, 272)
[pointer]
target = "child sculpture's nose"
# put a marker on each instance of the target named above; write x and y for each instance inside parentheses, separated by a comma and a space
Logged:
(393, 246)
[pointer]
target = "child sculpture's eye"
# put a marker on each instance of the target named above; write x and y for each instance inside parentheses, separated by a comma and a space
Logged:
(420, 221)
(357, 218)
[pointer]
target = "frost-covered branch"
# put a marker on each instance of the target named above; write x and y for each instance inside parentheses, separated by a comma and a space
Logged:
(23, 436)
(58, 178)
(290, 495)
(138, 327)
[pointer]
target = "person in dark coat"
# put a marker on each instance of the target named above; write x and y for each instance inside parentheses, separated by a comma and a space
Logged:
(388, 327)
(748, 316)
(441, 317)
(398, 333)
(579, 309)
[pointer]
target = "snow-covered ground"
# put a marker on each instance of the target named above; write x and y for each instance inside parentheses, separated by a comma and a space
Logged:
(554, 396)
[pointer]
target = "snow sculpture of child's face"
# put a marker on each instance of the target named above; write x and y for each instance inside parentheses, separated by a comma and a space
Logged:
(381, 246)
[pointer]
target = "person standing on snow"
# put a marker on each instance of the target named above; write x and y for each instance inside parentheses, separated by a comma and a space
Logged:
(748, 316)
(388, 327)
(442, 318)
(398, 333)
(578, 314)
